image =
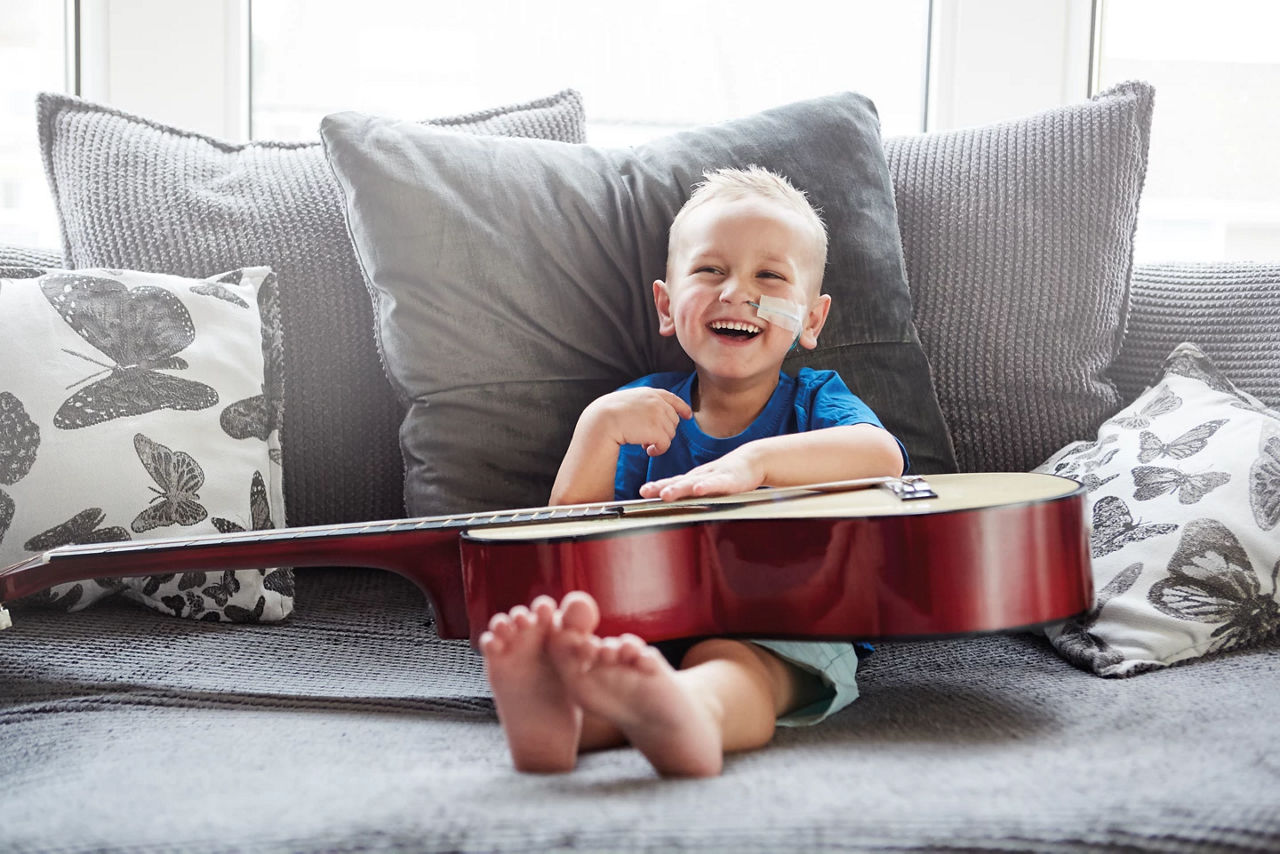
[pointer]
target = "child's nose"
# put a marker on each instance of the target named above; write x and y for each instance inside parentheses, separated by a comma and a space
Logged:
(736, 290)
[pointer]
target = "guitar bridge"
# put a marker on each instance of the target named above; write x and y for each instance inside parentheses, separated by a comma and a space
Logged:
(913, 487)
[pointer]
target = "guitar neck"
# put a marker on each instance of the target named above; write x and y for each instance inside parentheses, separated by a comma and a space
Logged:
(422, 549)
(398, 545)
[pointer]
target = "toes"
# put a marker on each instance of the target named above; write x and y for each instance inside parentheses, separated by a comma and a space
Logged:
(649, 660)
(610, 648)
(490, 645)
(630, 647)
(579, 612)
(632, 651)
(586, 648)
(521, 616)
(574, 652)
(500, 626)
(507, 626)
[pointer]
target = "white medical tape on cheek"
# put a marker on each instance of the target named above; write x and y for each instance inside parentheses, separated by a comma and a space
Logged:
(783, 312)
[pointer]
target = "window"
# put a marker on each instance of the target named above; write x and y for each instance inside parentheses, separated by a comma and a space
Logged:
(1213, 187)
(642, 70)
(270, 69)
(32, 58)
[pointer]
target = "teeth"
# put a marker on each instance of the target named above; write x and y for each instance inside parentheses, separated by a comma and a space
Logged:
(734, 325)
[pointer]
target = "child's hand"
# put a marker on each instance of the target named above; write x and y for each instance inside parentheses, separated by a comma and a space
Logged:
(734, 472)
(638, 416)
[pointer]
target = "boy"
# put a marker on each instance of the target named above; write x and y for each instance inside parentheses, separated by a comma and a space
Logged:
(744, 270)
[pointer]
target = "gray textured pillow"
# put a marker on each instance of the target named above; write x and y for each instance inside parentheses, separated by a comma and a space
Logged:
(1018, 240)
(20, 262)
(134, 194)
(513, 282)
(1232, 311)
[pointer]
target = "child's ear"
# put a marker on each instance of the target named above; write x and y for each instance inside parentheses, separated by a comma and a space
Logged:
(814, 321)
(662, 301)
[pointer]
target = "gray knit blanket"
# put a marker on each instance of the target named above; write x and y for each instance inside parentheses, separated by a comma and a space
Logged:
(351, 727)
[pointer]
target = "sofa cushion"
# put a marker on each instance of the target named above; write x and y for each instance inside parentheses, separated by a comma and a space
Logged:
(513, 281)
(146, 407)
(1185, 498)
(134, 194)
(1018, 239)
(1231, 311)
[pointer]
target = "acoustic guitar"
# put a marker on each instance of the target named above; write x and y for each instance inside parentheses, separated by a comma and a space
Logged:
(876, 558)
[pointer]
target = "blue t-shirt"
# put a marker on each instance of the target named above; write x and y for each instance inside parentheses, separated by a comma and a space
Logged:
(811, 400)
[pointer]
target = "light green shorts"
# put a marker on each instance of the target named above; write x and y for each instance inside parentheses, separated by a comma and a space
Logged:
(835, 663)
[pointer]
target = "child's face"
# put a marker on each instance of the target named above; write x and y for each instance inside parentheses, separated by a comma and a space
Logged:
(726, 255)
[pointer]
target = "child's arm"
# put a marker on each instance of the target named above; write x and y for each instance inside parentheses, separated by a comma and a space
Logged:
(631, 416)
(844, 452)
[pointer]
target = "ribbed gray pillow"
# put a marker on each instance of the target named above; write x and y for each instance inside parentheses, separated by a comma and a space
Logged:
(134, 194)
(20, 262)
(1018, 240)
(1230, 310)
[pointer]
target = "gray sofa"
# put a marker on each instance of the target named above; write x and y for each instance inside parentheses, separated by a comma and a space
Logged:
(350, 726)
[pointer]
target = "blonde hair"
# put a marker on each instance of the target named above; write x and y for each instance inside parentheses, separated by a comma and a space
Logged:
(753, 182)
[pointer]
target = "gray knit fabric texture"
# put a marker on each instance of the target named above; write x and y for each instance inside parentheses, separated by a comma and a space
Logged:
(1018, 239)
(19, 262)
(352, 728)
(134, 194)
(1231, 310)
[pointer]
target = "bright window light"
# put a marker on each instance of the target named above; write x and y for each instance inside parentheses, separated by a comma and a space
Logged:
(1213, 186)
(32, 58)
(642, 72)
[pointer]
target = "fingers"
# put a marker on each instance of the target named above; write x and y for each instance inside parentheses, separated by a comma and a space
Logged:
(675, 488)
(670, 410)
(682, 409)
(717, 478)
(648, 417)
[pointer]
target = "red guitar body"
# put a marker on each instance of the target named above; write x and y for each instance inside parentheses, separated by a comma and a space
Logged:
(985, 553)
(894, 576)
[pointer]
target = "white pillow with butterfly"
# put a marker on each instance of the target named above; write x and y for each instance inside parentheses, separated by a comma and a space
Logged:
(1184, 493)
(138, 405)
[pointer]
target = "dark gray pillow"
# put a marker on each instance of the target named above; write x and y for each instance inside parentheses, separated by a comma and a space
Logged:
(1231, 311)
(134, 194)
(1018, 240)
(513, 282)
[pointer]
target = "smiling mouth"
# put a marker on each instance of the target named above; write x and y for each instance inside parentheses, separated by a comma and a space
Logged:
(734, 329)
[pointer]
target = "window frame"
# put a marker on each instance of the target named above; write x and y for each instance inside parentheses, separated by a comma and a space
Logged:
(972, 44)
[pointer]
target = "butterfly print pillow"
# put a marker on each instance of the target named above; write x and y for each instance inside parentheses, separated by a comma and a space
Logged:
(1184, 497)
(136, 405)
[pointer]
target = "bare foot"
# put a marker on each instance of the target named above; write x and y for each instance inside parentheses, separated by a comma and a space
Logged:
(541, 721)
(629, 683)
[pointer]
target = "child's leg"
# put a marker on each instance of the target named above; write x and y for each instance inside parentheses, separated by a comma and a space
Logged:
(726, 696)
